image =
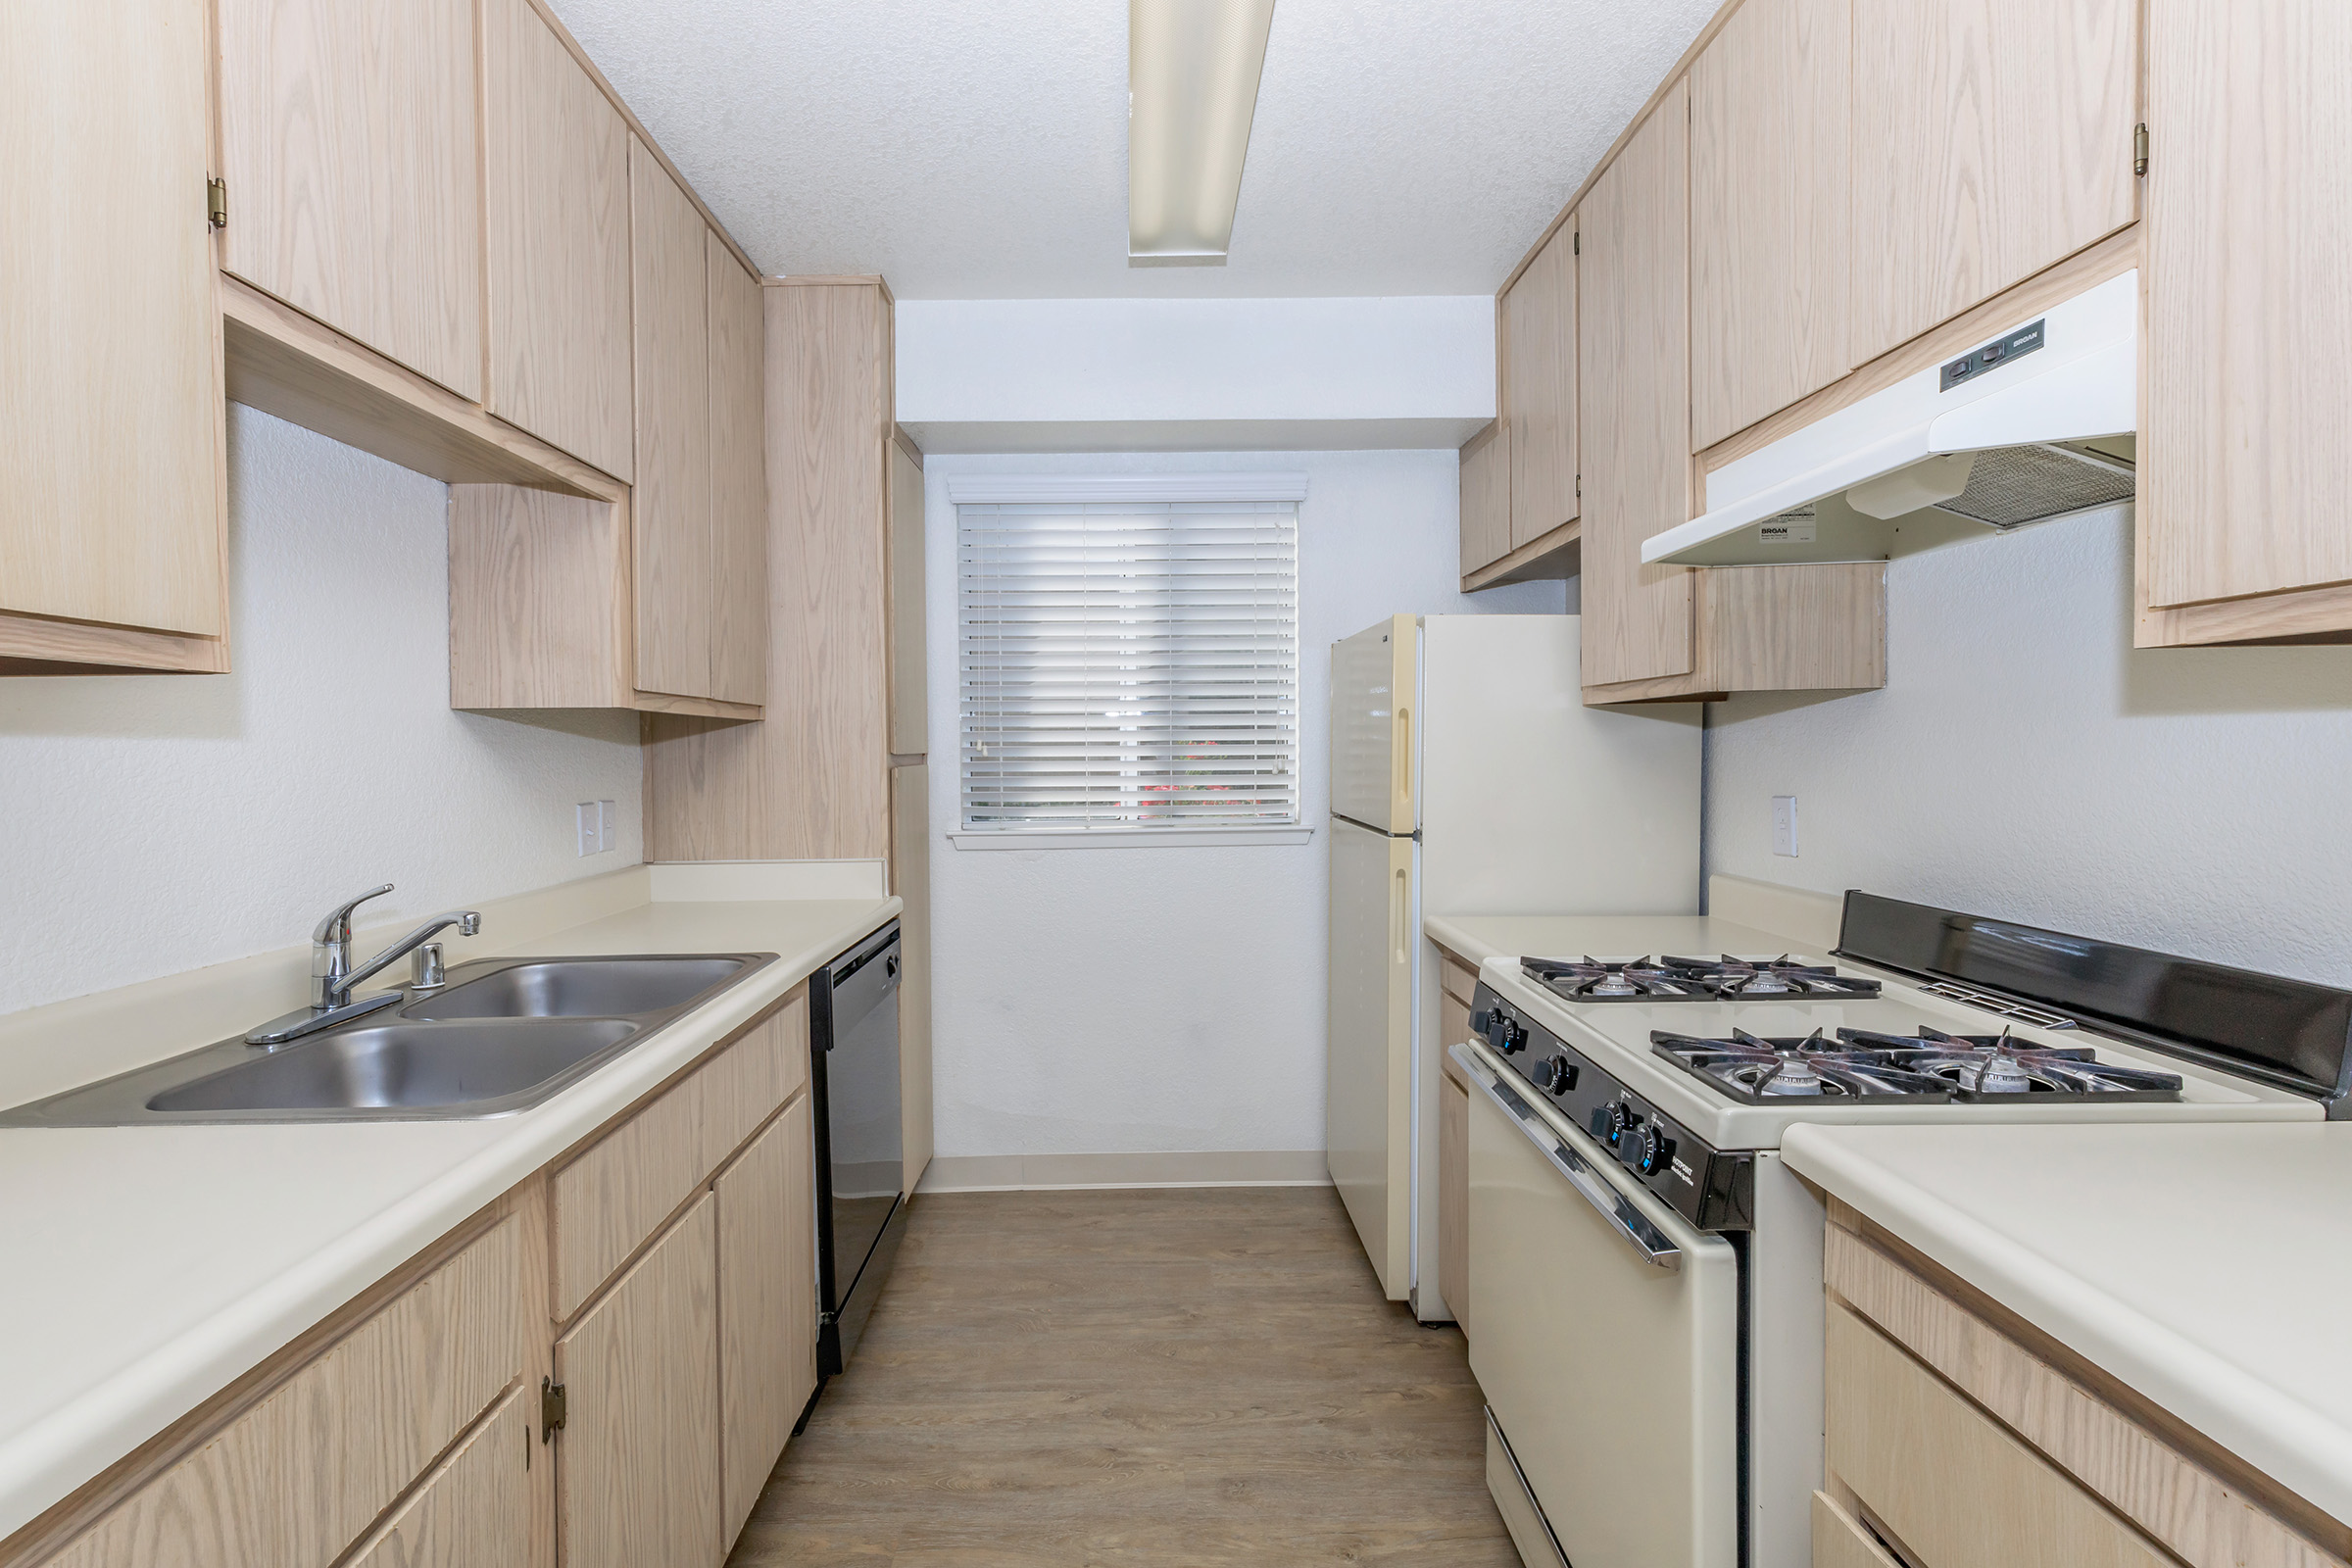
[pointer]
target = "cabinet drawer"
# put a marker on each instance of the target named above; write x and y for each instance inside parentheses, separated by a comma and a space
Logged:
(617, 1194)
(1457, 979)
(294, 1480)
(1953, 1485)
(1840, 1543)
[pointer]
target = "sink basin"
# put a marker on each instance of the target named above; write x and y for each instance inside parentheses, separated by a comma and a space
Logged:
(504, 1035)
(402, 1064)
(579, 988)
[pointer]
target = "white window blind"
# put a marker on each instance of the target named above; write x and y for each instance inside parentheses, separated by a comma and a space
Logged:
(1129, 666)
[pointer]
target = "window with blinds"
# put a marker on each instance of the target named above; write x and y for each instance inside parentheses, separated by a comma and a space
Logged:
(1129, 666)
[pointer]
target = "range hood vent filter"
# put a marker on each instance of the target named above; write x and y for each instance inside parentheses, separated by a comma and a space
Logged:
(2011, 486)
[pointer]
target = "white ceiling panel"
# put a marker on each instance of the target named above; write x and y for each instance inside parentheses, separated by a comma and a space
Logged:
(978, 151)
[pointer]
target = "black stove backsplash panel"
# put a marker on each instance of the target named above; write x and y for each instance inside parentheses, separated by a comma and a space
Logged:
(2290, 1032)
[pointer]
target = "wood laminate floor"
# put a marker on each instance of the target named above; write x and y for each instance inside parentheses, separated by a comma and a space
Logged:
(1199, 1377)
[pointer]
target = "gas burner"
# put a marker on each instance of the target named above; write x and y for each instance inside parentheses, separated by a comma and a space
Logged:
(1765, 1072)
(1984, 1067)
(1589, 979)
(1671, 979)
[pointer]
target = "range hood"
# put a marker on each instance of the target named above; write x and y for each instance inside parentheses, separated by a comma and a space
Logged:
(2037, 424)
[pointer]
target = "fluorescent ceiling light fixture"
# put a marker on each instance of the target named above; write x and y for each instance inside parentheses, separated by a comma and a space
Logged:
(1191, 88)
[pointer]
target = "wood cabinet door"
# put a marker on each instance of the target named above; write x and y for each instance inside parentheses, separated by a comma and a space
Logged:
(766, 1303)
(1990, 139)
(909, 688)
(2243, 463)
(1539, 388)
(1769, 195)
(1487, 497)
(676, 545)
(352, 150)
(637, 1480)
(1633, 364)
(738, 478)
(556, 159)
(1453, 1192)
(911, 880)
(111, 442)
(474, 1510)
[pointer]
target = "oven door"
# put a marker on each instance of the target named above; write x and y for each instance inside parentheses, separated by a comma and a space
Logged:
(1607, 1341)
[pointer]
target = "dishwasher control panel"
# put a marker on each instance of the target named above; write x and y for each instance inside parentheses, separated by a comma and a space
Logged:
(1712, 1189)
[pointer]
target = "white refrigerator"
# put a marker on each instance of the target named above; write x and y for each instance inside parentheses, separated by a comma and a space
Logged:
(1468, 777)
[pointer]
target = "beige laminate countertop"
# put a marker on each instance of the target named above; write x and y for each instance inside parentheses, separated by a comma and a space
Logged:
(149, 1267)
(2207, 1267)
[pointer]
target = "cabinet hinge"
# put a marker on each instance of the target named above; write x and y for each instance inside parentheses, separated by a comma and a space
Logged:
(553, 1403)
(1579, 487)
(1576, 242)
(2139, 147)
(216, 202)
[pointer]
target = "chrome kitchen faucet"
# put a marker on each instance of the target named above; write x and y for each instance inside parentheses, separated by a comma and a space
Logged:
(334, 977)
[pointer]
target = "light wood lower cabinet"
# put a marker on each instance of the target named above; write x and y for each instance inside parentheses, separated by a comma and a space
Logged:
(293, 1481)
(112, 541)
(1453, 1196)
(638, 1481)
(615, 1193)
(474, 1510)
(766, 1303)
(1963, 1447)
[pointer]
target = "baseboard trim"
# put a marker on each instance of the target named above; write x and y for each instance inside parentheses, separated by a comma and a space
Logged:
(1022, 1173)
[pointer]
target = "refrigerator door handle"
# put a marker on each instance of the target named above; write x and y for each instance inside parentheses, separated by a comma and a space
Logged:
(1401, 916)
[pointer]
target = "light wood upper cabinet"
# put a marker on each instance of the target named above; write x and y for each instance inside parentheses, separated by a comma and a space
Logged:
(111, 447)
(352, 150)
(678, 559)
(556, 157)
(737, 478)
(1540, 370)
(766, 1303)
(909, 687)
(1990, 139)
(1485, 476)
(1634, 365)
(1768, 197)
(2243, 463)
(638, 1468)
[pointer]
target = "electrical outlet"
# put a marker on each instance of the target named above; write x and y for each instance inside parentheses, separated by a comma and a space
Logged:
(1783, 825)
(585, 817)
(608, 825)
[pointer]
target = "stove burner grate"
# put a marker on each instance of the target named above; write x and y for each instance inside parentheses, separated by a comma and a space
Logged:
(1667, 978)
(1925, 1067)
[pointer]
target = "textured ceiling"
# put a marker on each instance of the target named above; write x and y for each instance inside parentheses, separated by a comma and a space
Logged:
(978, 151)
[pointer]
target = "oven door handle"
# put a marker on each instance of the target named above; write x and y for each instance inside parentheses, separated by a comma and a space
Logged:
(1649, 1244)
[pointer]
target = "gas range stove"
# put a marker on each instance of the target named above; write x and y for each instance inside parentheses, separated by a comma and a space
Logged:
(1667, 978)
(1697, 1072)
(1926, 1066)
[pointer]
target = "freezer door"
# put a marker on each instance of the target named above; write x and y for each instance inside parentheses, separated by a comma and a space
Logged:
(1368, 1091)
(1373, 678)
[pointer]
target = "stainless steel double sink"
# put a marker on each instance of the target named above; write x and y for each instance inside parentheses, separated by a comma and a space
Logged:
(502, 1036)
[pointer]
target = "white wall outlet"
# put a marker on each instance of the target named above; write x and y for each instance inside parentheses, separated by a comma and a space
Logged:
(608, 825)
(1783, 825)
(585, 815)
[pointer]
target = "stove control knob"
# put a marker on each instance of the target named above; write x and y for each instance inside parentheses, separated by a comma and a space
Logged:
(1657, 1151)
(1622, 1121)
(1557, 1075)
(1510, 1035)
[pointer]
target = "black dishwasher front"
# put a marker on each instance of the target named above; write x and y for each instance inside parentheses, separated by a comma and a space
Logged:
(860, 1146)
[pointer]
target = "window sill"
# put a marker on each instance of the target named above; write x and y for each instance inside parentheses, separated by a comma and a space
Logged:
(1197, 838)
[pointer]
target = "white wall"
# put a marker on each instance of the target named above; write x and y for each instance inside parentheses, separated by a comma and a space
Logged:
(1082, 375)
(158, 823)
(2025, 762)
(1170, 999)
